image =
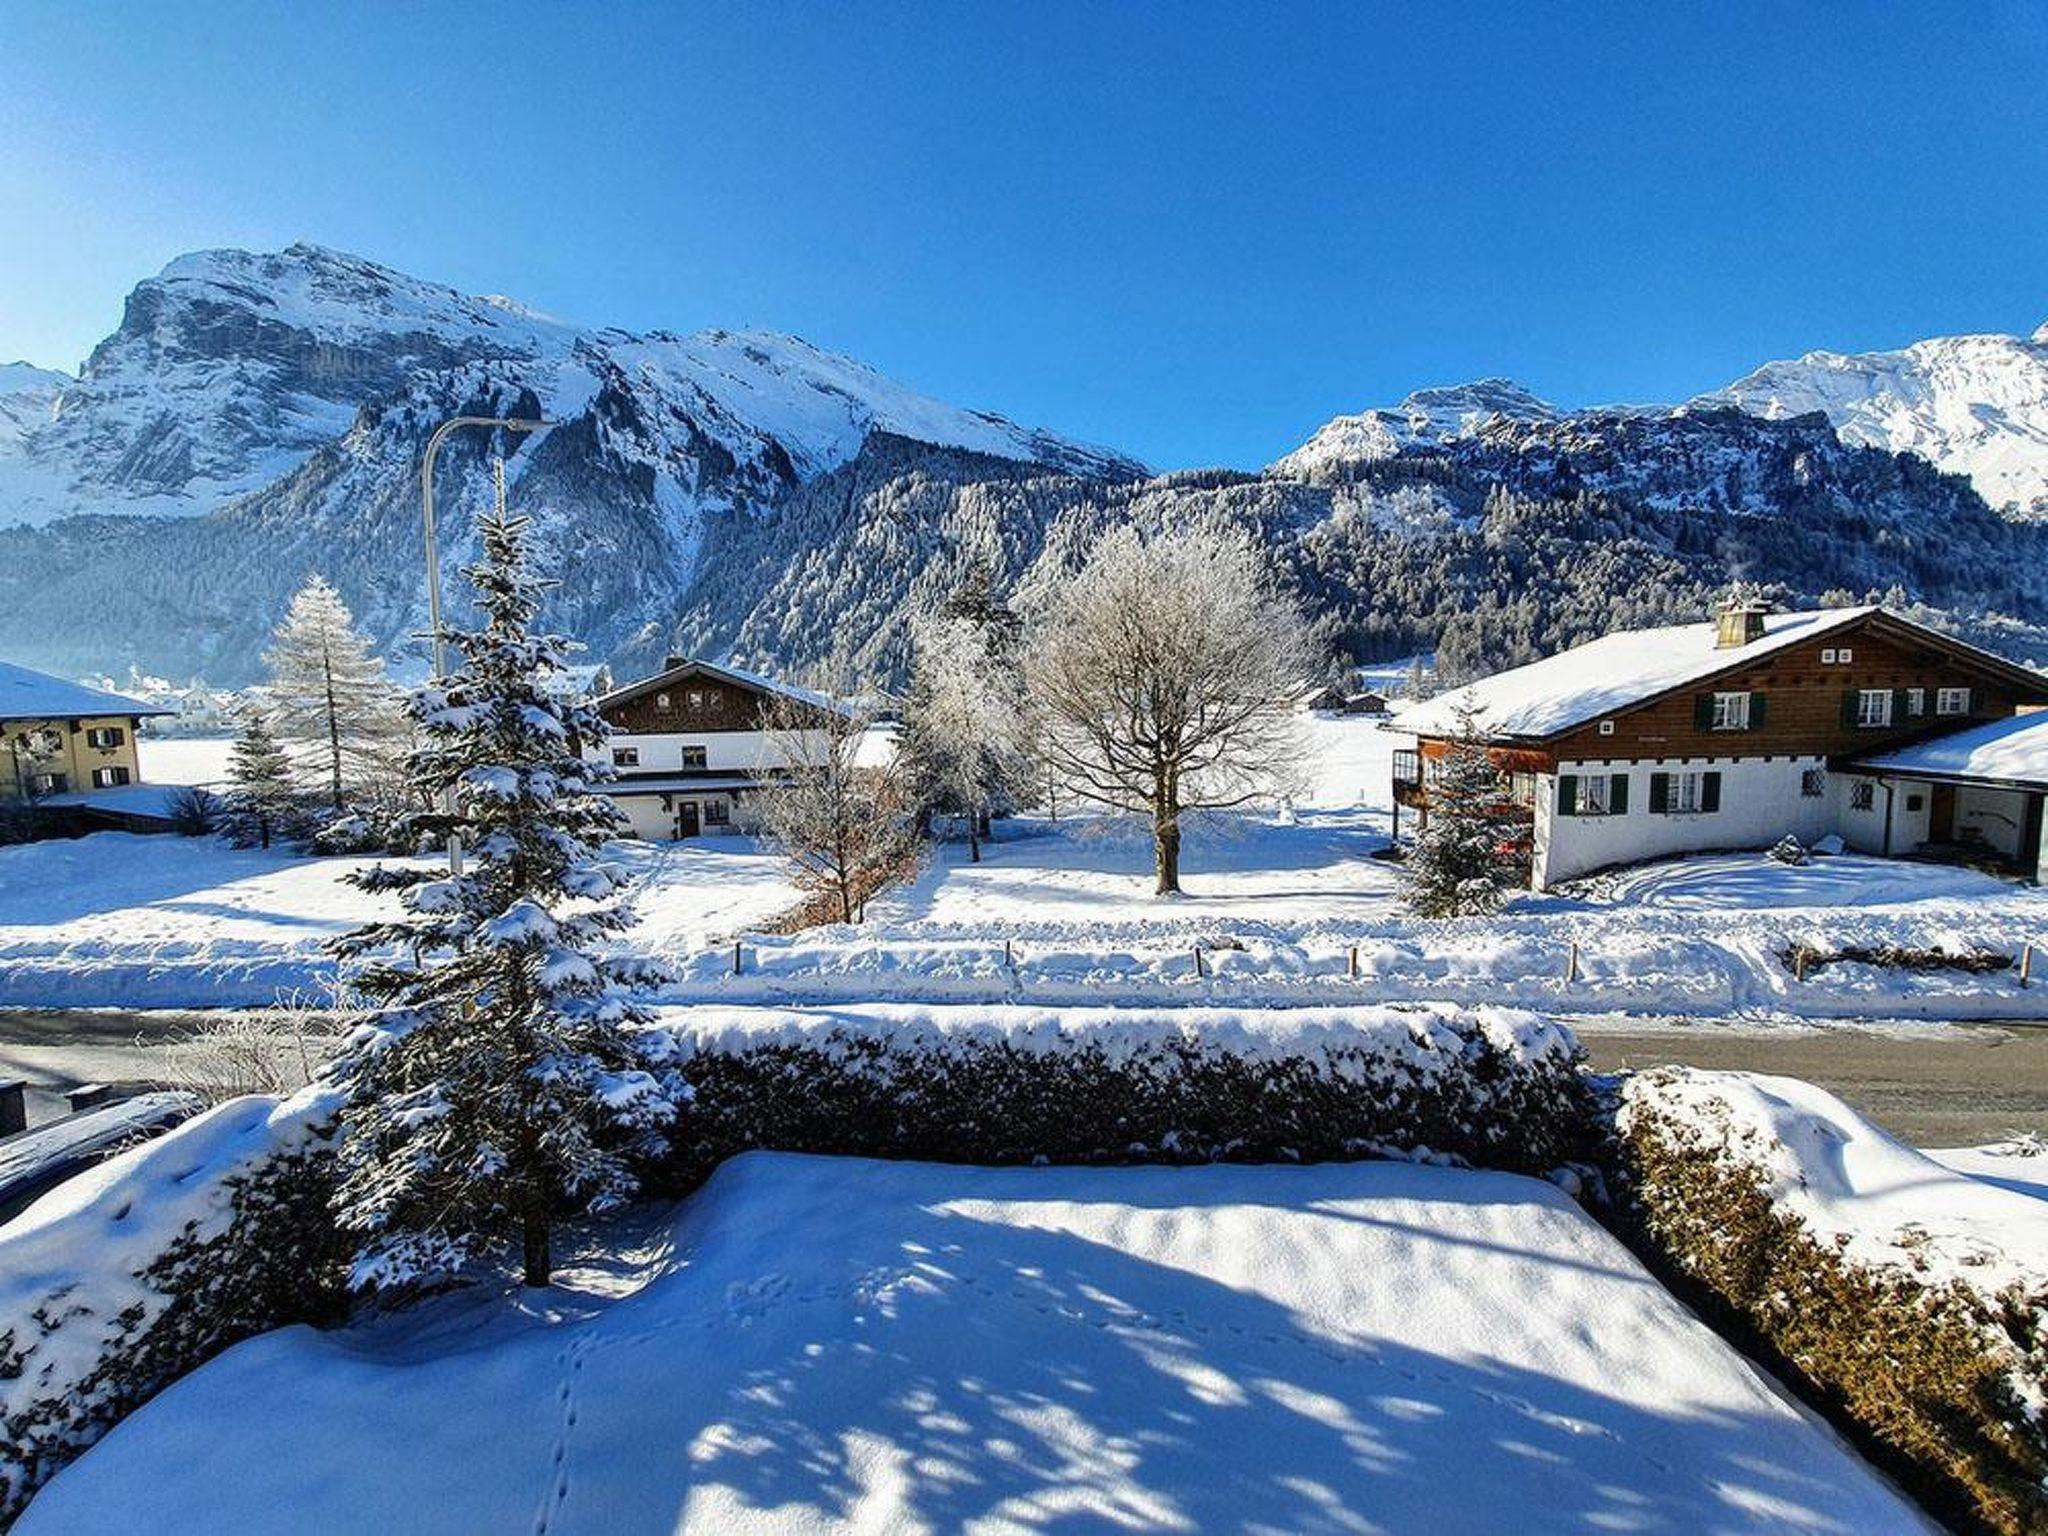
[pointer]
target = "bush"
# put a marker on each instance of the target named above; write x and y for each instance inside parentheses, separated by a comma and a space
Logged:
(194, 811)
(276, 1050)
(1493, 1088)
(1931, 1376)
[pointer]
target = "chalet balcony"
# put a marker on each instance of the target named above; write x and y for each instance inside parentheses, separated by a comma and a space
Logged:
(1407, 778)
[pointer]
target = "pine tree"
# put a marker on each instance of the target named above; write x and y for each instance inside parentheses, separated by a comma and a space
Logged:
(262, 803)
(326, 686)
(1473, 846)
(502, 1083)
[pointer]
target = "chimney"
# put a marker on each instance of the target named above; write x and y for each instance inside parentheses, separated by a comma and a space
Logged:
(1740, 623)
(673, 662)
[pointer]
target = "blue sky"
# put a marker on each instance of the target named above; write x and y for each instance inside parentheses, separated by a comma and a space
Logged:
(1194, 232)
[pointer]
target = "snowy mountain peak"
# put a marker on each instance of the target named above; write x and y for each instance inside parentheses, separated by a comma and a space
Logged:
(1972, 405)
(1426, 417)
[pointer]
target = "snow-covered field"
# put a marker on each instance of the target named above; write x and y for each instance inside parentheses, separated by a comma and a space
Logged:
(1278, 903)
(1342, 1348)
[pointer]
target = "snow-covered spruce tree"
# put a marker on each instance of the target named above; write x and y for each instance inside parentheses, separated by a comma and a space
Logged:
(501, 1083)
(1163, 678)
(962, 742)
(1473, 846)
(262, 802)
(326, 686)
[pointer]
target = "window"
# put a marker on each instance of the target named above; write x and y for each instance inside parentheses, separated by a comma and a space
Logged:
(1916, 701)
(1952, 701)
(661, 701)
(626, 757)
(1863, 796)
(713, 697)
(1813, 783)
(50, 783)
(693, 757)
(1606, 727)
(1873, 707)
(1729, 712)
(1845, 655)
(107, 778)
(717, 813)
(1827, 657)
(104, 736)
(1522, 788)
(1685, 794)
(696, 698)
(1592, 794)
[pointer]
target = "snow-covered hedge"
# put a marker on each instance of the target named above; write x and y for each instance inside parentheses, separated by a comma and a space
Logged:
(1912, 1301)
(126, 1277)
(1003, 1084)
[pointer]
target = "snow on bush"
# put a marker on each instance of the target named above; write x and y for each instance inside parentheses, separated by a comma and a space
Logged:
(1002, 1084)
(127, 1276)
(1912, 1300)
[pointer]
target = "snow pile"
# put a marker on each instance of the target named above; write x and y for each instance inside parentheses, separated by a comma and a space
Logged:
(123, 1277)
(822, 1345)
(1912, 1298)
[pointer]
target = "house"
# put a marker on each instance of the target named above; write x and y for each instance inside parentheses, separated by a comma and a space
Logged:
(689, 745)
(1981, 790)
(1725, 734)
(67, 746)
(1364, 704)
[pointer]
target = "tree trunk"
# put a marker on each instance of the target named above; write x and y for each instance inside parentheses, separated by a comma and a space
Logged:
(540, 1265)
(1166, 836)
(334, 735)
(973, 840)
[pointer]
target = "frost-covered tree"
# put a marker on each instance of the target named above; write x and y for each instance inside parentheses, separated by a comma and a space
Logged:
(501, 1083)
(962, 743)
(1473, 846)
(842, 821)
(262, 802)
(1164, 677)
(327, 687)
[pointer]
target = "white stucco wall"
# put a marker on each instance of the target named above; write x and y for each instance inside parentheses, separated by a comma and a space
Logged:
(1996, 815)
(647, 817)
(730, 751)
(1760, 803)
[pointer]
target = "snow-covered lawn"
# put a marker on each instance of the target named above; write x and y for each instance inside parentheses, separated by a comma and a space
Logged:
(820, 1345)
(120, 919)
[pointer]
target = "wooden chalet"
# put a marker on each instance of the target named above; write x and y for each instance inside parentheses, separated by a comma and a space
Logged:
(1735, 732)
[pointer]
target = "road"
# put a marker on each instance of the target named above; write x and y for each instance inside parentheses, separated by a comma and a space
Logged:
(1963, 1085)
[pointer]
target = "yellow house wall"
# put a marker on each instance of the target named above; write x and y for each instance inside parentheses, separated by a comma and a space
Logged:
(76, 760)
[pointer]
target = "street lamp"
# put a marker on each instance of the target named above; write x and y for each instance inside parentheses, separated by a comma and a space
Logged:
(509, 424)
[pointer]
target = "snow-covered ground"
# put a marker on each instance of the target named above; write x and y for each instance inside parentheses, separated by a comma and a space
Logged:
(1278, 903)
(1342, 1348)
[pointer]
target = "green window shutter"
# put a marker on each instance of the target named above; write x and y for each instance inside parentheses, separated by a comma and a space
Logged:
(1756, 711)
(1849, 709)
(1567, 794)
(1703, 711)
(1710, 792)
(1617, 795)
(1898, 706)
(1660, 794)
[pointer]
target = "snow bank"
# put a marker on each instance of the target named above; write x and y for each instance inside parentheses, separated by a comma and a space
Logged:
(1911, 1297)
(826, 1345)
(109, 1286)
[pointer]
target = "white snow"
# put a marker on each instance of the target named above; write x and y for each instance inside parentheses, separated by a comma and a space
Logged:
(1426, 418)
(27, 695)
(2019, 1165)
(817, 1345)
(2013, 751)
(1882, 1201)
(1581, 685)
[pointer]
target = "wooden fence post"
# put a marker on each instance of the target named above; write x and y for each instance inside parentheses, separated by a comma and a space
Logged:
(1799, 962)
(1198, 961)
(735, 957)
(1571, 964)
(1354, 962)
(2026, 963)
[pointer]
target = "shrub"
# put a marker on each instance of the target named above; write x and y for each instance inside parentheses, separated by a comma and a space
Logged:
(194, 811)
(1939, 1380)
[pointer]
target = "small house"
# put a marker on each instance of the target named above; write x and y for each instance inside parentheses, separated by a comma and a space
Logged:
(68, 747)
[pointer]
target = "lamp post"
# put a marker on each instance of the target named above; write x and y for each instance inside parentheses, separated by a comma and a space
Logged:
(509, 424)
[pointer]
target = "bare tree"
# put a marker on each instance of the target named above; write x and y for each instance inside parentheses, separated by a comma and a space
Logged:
(842, 821)
(962, 743)
(1164, 676)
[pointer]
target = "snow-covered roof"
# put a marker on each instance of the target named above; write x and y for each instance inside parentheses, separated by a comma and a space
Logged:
(2010, 751)
(732, 674)
(157, 802)
(26, 695)
(1615, 672)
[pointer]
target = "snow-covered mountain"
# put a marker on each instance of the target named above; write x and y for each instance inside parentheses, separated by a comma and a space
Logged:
(1972, 405)
(1427, 418)
(231, 369)
(28, 400)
